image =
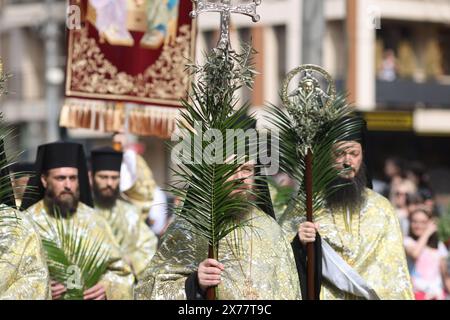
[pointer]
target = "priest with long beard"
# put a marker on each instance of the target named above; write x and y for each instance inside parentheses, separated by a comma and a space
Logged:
(358, 242)
(255, 264)
(60, 190)
(137, 242)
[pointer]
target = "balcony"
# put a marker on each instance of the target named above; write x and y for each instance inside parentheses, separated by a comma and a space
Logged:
(409, 94)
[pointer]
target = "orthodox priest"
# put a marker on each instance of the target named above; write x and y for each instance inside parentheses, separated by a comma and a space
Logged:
(137, 184)
(262, 268)
(137, 242)
(23, 269)
(358, 242)
(61, 184)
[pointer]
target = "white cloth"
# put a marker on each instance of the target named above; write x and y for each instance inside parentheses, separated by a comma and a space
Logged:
(158, 211)
(339, 273)
(128, 170)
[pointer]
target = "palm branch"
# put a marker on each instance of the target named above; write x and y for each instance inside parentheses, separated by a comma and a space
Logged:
(205, 187)
(6, 189)
(7, 159)
(327, 126)
(308, 133)
(73, 259)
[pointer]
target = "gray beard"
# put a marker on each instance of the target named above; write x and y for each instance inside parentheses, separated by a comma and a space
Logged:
(351, 195)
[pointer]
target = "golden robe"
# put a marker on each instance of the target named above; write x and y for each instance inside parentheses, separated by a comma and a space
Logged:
(118, 279)
(23, 269)
(262, 268)
(137, 242)
(141, 192)
(371, 243)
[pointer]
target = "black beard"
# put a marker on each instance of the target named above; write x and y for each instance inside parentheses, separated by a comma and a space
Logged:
(105, 202)
(58, 207)
(351, 195)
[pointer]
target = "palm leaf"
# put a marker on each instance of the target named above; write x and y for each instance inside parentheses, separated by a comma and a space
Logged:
(7, 157)
(307, 125)
(203, 186)
(72, 256)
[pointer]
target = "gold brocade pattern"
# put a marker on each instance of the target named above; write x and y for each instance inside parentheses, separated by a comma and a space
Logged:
(23, 269)
(137, 242)
(264, 267)
(118, 279)
(141, 193)
(92, 73)
(372, 245)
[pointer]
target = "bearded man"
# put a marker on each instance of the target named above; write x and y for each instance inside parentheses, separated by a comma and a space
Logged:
(60, 190)
(358, 242)
(137, 242)
(255, 262)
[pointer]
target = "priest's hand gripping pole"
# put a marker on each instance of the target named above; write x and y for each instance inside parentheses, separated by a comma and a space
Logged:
(225, 8)
(300, 104)
(309, 217)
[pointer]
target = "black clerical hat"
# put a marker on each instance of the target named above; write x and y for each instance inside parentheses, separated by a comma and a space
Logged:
(106, 158)
(26, 167)
(361, 136)
(58, 155)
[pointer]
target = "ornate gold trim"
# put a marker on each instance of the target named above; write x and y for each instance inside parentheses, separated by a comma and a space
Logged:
(90, 75)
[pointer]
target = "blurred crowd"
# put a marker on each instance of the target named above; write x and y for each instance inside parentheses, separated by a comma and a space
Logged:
(424, 225)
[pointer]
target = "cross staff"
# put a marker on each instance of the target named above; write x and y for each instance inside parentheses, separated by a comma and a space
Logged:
(225, 9)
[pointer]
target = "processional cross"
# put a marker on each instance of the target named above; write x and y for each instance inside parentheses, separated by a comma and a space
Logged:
(225, 8)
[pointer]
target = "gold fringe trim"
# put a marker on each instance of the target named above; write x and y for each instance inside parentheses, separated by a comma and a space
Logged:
(153, 121)
(91, 114)
(110, 117)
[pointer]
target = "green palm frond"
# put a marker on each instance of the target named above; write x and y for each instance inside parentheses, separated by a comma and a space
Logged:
(73, 259)
(6, 188)
(307, 125)
(7, 159)
(444, 226)
(204, 187)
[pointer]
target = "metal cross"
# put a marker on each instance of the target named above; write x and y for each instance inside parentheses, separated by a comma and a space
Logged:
(225, 9)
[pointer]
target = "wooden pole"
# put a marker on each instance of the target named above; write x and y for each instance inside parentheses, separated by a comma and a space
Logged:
(309, 217)
(211, 291)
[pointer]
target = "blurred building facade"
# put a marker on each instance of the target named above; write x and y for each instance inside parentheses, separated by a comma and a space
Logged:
(393, 57)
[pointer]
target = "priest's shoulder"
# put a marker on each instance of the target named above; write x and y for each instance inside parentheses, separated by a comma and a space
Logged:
(84, 212)
(379, 201)
(19, 220)
(265, 222)
(130, 210)
(36, 209)
(125, 205)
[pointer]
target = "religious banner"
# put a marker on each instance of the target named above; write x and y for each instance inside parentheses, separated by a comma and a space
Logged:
(128, 51)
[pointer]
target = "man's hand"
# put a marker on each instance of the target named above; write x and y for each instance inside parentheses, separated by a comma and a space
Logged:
(97, 292)
(57, 290)
(307, 232)
(209, 273)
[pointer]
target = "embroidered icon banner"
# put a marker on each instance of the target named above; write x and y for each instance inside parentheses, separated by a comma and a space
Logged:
(128, 51)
